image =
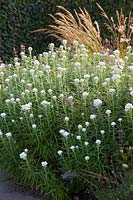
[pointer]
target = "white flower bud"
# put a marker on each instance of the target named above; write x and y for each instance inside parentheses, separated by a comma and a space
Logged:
(84, 130)
(66, 119)
(3, 115)
(87, 123)
(128, 107)
(34, 126)
(87, 158)
(59, 152)
(113, 124)
(79, 126)
(97, 103)
(64, 42)
(119, 119)
(102, 132)
(72, 148)
(8, 135)
(23, 155)
(35, 90)
(86, 143)
(85, 94)
(77, 64)
(112, 91)
(44, 164)
(98, 142)
(50, 91)
(108, 112)
(92, 117)
(78, 137)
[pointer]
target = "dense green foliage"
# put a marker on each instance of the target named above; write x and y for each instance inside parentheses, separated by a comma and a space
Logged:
(18, 18)
(66, 119)
(123, 192)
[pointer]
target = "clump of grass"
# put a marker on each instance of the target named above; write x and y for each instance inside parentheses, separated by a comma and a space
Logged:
(66, 119)
(121, 29)
(80, 28)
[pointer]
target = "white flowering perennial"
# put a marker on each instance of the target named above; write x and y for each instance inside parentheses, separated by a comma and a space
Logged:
(79, 126)
(98, 142)
(97, 103)
(116, 77)
(44, 164)
(102, 132)
(83, 130)
(45, 103)
(78, 137)
(113, 124)
(72, 148)
(119, 119)
(23, 155)
(64, 42)
(34, 126)
(77, 64)
(87, 123)
(128, 107)
(68, 106)
(86, 143)
(66, 119)
(93, 116)
(26, 150)
(76, 81)
(116, 52)
(3, 115)
(26, 107)
(85, 94)
(87, 158)
(59, 152)
(8, 135)
(108, 112)
(112, 91)
(64, 133)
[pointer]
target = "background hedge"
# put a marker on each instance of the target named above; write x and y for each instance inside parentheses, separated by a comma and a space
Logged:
(18, 18)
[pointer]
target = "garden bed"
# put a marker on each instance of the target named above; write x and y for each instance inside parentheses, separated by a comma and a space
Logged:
(66, 119)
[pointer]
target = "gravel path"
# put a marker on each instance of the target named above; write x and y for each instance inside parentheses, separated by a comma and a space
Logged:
(9, 191)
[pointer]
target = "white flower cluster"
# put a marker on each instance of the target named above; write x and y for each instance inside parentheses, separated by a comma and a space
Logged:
(98, 142)
(87, 158)
(3, 115)
(23, 155)
(59, 152)
(44, 164)
(112, 91)
(64, 133)
(93, 116)
(97, 103)
(128, 107)
(108, 112)
(85, 94)
(8, 135)
(45, 103)
(26, 107)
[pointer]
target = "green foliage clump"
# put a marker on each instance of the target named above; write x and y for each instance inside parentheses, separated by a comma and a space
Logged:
(66, 119)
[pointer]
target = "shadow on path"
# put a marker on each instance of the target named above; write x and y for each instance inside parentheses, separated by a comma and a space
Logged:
(9, 191)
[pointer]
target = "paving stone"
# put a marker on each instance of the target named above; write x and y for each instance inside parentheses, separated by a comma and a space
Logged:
(9, 191)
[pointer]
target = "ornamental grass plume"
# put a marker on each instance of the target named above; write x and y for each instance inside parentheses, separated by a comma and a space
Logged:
(79, 28)
(122, 29)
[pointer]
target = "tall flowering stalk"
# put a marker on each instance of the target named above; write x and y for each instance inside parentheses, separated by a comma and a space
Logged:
(122, 29)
